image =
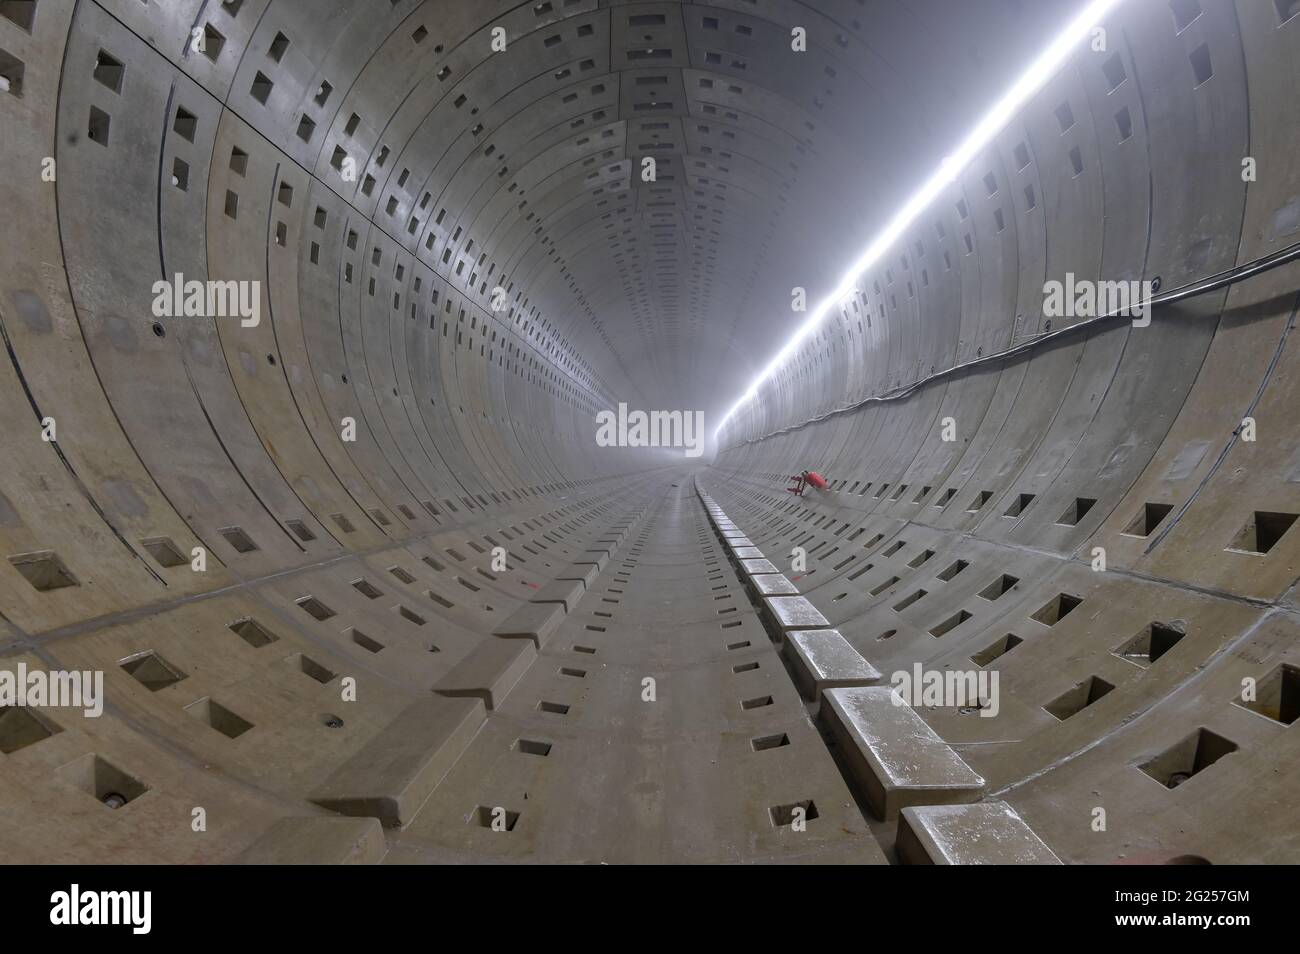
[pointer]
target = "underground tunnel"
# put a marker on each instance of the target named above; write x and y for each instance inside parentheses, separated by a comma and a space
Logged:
(604, 431)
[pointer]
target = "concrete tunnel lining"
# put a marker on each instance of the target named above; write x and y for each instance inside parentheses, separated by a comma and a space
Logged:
(438, 621)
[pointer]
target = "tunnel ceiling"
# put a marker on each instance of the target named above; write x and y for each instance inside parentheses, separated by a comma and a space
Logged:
(514, 159)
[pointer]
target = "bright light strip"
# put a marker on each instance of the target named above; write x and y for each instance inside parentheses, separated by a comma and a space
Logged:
(1048, 63)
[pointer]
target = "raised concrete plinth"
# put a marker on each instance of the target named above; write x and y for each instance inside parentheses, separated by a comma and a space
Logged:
(754, 567)
(985, 833)
(534, 621)
(391, 777)
(318, 840)
(772, 584)
(490, 670)
(823, 659)
(794, 612)
(896, 759)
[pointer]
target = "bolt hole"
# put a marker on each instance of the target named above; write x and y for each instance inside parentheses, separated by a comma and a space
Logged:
(159, 330)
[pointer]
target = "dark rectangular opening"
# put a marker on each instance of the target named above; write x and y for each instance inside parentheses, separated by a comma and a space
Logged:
(1202, 69)
(756, 703)
(533, 747)
(952, 570)
(213, 714)
(152, 671)
(884, 586)
(999, 587)
(1078, 698)
(261, 88)
(1150, 644)
(766, 742)
(238, 539)
(1277, 695)
(315, 608)
(1019, 504)
(996, 649)
(1076, 511)
(365, 642)
(1148, 518)
(97, 126)
(1057, 608)
(1189, 757)
(1263, 532)
(43, 570)
(164, 552)
(21, 727)
(367, 589)
(907, 601)
(252, 632)
(784, 815)
(951, 623)
(980, 500)
(109, 71)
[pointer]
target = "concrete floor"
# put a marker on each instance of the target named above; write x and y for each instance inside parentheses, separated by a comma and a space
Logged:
(437, 622)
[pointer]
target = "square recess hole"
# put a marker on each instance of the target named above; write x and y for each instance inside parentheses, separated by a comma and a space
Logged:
(784, 815)
(43, 570)
(21, 727)
(181, 174)
(21, 13)
(999, 587)
(1263, 532)
(1079, 698)
(364, 641)
(310, 667)
(763, 743)
(1193, 754)
(164, 551)
(238, 539)
(758, 702)
(300, 530)
(1149, 645)
(97, 126)
(11, 74)
(533, 747)
(108, 71)
(315, 608)
(1277, 696)
(1148, 518)
(213, 41)
(980, 500)
(951, 623)
(261, 88)
(219, 717)
(952, 570)
(1076, 511)
(367, 589)
(555, 708)
(252, 632)
(908, 600)
(1057, 608)
(495, 818)
(996, 649)
(1019, 504)
(152, 671)
(186, 124)
(102, 780)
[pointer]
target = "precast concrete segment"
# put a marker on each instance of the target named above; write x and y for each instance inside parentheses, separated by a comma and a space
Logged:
(308, 317)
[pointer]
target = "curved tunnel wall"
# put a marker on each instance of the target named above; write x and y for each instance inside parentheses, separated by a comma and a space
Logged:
(477, 170)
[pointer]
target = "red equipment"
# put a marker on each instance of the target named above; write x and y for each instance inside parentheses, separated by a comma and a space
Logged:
(807, 478)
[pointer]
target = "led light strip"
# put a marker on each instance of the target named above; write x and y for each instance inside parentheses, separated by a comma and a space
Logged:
(1049, 62)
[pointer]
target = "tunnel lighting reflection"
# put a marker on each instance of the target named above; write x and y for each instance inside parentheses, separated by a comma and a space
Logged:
(1048, 63)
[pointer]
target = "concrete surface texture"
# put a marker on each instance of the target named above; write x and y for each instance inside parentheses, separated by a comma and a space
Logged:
(311, 309)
